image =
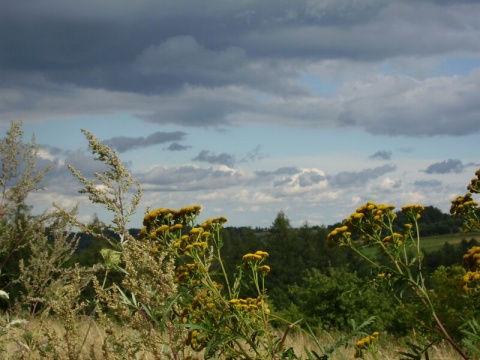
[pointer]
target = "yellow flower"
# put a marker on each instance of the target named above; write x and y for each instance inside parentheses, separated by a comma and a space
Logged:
(263, 254)
(162, 228)
(264, 269)
(413, 207)
(251, 257)
(176, 227)
(198, 230)
(202, 244)
(367, 340)
(385, 207)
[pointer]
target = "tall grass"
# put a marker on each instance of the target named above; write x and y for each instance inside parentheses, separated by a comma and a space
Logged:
(93, 336)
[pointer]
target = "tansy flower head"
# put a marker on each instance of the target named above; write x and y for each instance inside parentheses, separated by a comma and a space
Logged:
(251, 257)
(176, 227)
(198, 230)
(263, 254)
(264, 269)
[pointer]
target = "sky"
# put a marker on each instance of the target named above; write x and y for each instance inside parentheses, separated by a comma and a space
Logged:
(249, 107)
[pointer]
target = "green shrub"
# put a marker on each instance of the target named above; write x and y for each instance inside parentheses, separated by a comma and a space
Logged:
(330, 300)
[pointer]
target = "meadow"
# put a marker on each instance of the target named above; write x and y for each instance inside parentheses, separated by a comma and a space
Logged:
(183, 287)
(434, 243)
(93, 337)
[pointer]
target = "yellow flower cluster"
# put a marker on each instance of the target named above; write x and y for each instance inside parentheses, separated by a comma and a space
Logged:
(162, 219)
(167, 225)
(471, 260)
(413, 211)
(474, 186)
(197, 340)
(264, 269)
(374, 211)
(214, 223)
(395, 239)
(365, 343)
(196, 241)
(183, 272)
(338, 234)
(203, 304)
(462, 205)
(254, 261)
(415, 208)
(471, 263)
(471, 281)
(250, 304)
(259, 256)
(362, 343)
(368, 217)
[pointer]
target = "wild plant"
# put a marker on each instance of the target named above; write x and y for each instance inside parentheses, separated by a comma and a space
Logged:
(19, 176)
(220, 319)
(398, 264)
(111, 189)
(467, 209)
(175, 297)
(33, 249)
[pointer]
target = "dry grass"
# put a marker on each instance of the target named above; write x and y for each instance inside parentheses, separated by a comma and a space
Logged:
(388, 347)
(91, 337)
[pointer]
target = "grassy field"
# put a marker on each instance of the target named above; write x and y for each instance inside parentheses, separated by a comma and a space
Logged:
(432, 243)
(90, 336)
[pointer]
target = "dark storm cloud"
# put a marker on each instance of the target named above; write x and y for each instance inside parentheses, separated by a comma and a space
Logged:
(211, 63)
(154, 46)
(412, 107)
(381, 155)
(222, 159)
(355, 178)
(446, 167)
(123, 143)
(199, 107)
(158, 47)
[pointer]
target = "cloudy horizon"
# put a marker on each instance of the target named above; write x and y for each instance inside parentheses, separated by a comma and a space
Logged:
(249, 108)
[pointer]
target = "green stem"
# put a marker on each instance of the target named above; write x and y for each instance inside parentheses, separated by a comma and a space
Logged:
(105, 279)
(354, 248)
(224, 272)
